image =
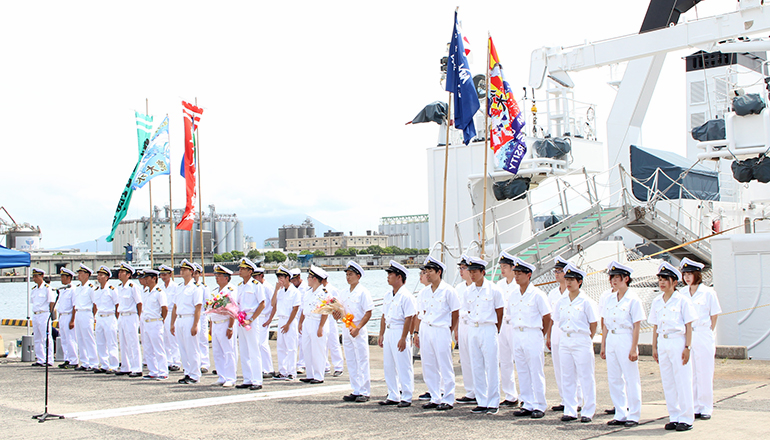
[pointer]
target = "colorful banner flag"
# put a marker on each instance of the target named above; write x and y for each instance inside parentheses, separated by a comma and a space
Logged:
(192, 116)
(459, 81)
(143, 130)
(156, 160)
(507, 122)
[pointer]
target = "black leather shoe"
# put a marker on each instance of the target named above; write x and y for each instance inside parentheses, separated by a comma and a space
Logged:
(683, 427)
(466, 399)
(243, 386)
(558, 408)
(568, 418)
(337, 374)
(670, 426)
(255, 387)
(425, 396)
(38, 364)
(522, 412)
(404, 404)
(350, 397)
(609, 411)
(430, 405)
(315, 381)
(511, 403)
(305, 379)
(705, 416)
(444, 407)
(493, 410)
(124, 373)
(182, 380)
(585, 419)
(173, 368)
(631, 423)
(697, 415)
(388, 402)
(614, 422)
(479, 410)
(80, 368)
(134, 374)
(537, 414)
(362, 399)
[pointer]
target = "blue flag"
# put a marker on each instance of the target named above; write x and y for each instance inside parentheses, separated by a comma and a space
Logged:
(155, 161)
(459, 81)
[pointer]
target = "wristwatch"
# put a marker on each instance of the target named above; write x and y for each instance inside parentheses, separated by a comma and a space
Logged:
(687, 347)
(229, 328)
(416, 333)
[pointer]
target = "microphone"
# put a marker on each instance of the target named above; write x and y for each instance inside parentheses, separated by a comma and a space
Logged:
(58, 289)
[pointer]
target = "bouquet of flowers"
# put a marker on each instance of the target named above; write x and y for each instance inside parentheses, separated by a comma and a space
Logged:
(241, 318)
(223, 304)
(329, 305)
(348, 320)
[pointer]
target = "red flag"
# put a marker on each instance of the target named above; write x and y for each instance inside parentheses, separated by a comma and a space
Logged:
(192, 116)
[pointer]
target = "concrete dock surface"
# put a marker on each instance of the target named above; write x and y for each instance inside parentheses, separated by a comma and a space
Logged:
(106, 406)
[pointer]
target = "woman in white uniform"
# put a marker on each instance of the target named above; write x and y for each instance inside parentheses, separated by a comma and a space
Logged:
(703, 346)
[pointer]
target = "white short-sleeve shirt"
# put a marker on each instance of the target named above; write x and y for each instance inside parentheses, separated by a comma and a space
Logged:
(66, 300)
(152, 302)
(706, 305)
(672, 316)
(105, 299)
(482, 303)
(41, 298)
(249, 296)
(437, 306)
(227, 290)
(398, 306)
(358, 301)
(84, 297)
(129, 295)
(507, 289)
(188, 296)
(462, 288)
(527, 309)
(621, 315)
(287, 299)
(575, 315)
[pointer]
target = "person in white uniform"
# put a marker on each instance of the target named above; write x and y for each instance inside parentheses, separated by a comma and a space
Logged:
(398, 310)
(169, 341)
(223, 336)
(106, 335)
(84, 320)
(185, 323)
(251, 301)
(66, 308)
(671, 315)
(707, 308)
(263, 327)
(554, 334)
(285, 305)
(203, 334)
(531, 318)
(154, 311)
(333, 338)
(439, 312)
(130, 310)
(622, 315)
(312, 327)
(42, 299)
(296, 280)
(577, 317)
(355, 340)
(461, 334)
(507, 286)
(602, 301)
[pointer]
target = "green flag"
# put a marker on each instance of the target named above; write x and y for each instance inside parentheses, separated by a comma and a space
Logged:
(143, 133)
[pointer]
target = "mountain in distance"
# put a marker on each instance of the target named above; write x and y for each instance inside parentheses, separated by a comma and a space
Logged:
(100, 245)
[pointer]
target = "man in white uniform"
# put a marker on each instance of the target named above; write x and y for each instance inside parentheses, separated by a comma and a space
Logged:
(461, 335)
(185, 323)
(399, 309)
(106, 301)
(84, 320)
(223, 337)
(203, 335)
(358, 302)
(333, 338)
(42, 298)
(507, 377)
(312, 327)
(285, 305)
(554, 334)
(66, 308)
(154, 311)
(439, 307)
(169, 341)
(263, 324)
(130, 309)
(296, 280)
(251, 301)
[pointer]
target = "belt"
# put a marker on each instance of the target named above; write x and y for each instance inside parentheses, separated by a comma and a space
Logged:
(283, 316)
(572, 334)
(479, 324)
(65, 313)
(507, 321)
(671, 335)
(437, 326)
(127, 313)
(394, 325)
(83, 310)
(621, 331)
(523, 329)
(153, 320)
(220, 321)
(186, 315)
(42, 311)
(105, 315)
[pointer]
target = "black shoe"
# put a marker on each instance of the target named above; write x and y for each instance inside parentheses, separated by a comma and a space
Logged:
(558, 408)
(444, 407)
(585, 419)
(522, 412)
(466, 399)
(243, 386)
(511, 403)
(204, 370)
(697, 415)
(255, 387)
(184, 379)
(64, 366)
(388, 402)
(123, 373)
(537, 414)
(705, 416)
(337, 374)
(568, 418)
(173, 368)
(404, 404)
(670, 426)
(305, 379)
(134, 374)
(609, 411)
(425, 396)
(315, 381)
(683, 427)
(492, 410)
(191, 380)
(361, 399)
(614, 422)
(479, 410)
(80, 368)
(99, 371)
(268, 375)
(631, 423)
(350, 397)
(430, 405)
(38, 364)
(214, 372)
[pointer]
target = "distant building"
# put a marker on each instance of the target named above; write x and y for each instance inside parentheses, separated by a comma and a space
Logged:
(331, 241)
(406, 231)
(271, 243)
(305, 230)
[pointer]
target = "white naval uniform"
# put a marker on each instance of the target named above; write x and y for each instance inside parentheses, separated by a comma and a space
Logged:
(671, 318)
(333, 340)
(41, 298)
(249, 297)
(69, 342)
(357, 302)
(462, 341)
(263, 333)
(315, 348)
(436, 340)
(481, 304)
(188, 296)
(622, 374)
(286, 343)
(576, 352)
(203, 334)
(553, 297)
(84, 325)
(223, 349)
(300, 357)
(152, 331)
(703, 348)
(399, 371)
(527, 311)
(170, 341)
(505, 339)
(106, 326)
(129, 295)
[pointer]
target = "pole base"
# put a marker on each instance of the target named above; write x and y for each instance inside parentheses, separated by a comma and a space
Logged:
(45, 416)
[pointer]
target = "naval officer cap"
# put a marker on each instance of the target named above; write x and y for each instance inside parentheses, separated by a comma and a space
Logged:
(65, 271)
(127, 267)
(572, 271)
(163, 268)
(354, 267)
(140, 273)
(198, 267)
(318, 272)
(218, 268)
(463, 260)
(506, 258)
(559, 262)
(615, 268)
(247, 264)
(295, 272)
(259, 271)
(688, 265)
(105, 270)
(396, 268)
(476, 263)
(185, 264)
(38, 271)
(151, 272)
(84, 268)
(522, 266)
(666, 269)
(432, 263)
(282, 271)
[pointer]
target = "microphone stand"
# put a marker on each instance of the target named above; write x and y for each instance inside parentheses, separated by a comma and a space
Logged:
(45, 416)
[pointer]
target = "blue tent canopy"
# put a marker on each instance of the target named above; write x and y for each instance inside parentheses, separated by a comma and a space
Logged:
(12, 258)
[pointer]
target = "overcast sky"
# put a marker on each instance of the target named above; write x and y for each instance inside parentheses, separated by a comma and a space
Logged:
(304, 102)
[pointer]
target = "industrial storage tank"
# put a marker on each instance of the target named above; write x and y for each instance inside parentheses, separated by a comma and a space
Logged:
(221, 231)
(238, 235)
(310, 231)
(230, 235)
(301, 231)
(182, 241)
(291, 232)
(282, 238)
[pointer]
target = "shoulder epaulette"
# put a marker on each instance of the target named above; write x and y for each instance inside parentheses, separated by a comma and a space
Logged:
(46, 285)
(158, 289)
(229, 287)
(130, 284)
(112, 287)
(241, 283)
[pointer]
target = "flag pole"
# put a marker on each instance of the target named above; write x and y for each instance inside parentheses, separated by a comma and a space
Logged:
(200, 201)
(486, 154)
(170, 208)
(446, 167)
(152, 250)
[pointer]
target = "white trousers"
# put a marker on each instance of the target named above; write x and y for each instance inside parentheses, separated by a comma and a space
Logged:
(170, 342)
(224, 349)
(333, 342)
(300, 355)
(465, 359)
(399, 371)
(314, 348)
(189, 346)
(529, 359)
(357, 357)
(437, 369)
(676, 379)
(39, 326)
(623, 377)
(107, 340)
(84, 331)
(702, 358)
(576, 356)
(203, 342)
(130, 353)
(483, 345)
(555, 340)
(154, 350)
(507, 375)
(69, 342)
(263, 338)
(251, 360)
(286, 347)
